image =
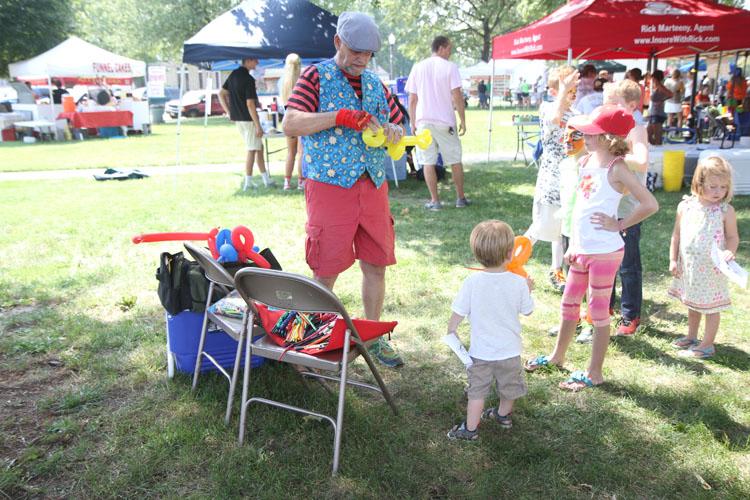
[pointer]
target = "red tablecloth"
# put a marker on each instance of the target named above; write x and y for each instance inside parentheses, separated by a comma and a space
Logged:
(96, 119)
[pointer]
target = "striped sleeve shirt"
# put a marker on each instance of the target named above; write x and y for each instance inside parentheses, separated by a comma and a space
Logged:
(306, 94)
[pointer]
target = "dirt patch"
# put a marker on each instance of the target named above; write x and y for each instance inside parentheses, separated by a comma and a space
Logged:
(22, 423)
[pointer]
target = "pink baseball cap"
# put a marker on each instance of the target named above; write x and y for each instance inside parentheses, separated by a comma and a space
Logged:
(604, 120)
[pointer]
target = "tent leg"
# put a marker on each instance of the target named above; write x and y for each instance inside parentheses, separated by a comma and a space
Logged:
(181, 72)
(694, 97)
(492, 94)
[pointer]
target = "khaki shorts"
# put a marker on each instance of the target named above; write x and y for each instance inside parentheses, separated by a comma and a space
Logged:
(506, 373)
(247, 131)
(443, 142)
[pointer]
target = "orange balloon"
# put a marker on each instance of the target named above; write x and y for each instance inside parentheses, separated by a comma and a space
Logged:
(521, 255)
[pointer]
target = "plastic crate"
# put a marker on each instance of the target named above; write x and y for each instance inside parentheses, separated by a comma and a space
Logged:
(183, 336)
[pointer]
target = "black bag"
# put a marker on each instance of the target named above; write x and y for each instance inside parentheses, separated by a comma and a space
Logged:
(183, 284)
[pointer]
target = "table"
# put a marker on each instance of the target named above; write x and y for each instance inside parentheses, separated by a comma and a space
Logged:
(740, 161)
(525, 129)
(97, 119)
(273, 134)
(40, 125)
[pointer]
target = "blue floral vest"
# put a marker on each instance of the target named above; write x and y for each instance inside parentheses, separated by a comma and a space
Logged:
(338, 155)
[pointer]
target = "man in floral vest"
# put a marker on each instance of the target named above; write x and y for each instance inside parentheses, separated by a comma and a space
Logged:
(348, 214)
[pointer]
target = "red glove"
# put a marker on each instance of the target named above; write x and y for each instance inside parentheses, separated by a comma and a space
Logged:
(353, 118)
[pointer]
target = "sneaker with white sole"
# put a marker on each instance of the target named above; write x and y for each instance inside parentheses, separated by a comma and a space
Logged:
(433, 205)
(587, 334)
(463, 202)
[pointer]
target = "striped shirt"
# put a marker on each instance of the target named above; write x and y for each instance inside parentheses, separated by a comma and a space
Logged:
(306, 94)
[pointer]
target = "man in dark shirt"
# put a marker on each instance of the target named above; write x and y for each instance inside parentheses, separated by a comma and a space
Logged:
(58, 92)
(348, 214)
(238, 97)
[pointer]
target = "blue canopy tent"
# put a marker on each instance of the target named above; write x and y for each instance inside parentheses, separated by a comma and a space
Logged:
(267, 30)
(685, 68)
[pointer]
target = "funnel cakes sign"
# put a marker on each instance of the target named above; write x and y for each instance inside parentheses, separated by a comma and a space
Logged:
(106, 67)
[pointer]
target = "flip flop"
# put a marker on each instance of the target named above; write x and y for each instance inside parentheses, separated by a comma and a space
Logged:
(533, 364)
(684, 343)
(696, 353)
(577, 377)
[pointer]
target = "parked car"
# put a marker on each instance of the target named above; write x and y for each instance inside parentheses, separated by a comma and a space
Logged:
(194, 104)
(170, 93)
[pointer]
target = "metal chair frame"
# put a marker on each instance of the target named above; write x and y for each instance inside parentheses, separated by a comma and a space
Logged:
(298, 293)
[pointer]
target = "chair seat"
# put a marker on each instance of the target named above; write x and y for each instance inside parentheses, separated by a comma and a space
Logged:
(329, 361)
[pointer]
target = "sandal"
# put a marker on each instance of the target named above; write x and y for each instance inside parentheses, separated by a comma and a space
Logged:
(684, 343)
(695, 352)
(534, 364)
(461, 432)
(505, 421)
(578, 381)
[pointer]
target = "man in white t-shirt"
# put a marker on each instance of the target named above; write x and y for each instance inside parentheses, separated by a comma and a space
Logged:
(434, 88)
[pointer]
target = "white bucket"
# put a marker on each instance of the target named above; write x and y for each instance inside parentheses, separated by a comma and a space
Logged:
(29, 139)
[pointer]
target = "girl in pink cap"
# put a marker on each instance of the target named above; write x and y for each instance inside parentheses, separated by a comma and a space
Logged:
(596, 247)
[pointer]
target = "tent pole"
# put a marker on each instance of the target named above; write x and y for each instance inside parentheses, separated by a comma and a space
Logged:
(694, 97)
(716, 84)
(51, 104)
(181, 79)
(207, 111)
(570, 56)
(492, 94)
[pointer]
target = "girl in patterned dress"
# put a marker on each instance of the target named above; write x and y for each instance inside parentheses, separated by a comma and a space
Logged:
(546, 225)
(703, 220)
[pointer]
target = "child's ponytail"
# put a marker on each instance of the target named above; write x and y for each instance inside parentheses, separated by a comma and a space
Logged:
(616, 145)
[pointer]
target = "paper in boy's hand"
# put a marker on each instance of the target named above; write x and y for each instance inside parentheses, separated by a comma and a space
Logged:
(457, 347)
(730, 269)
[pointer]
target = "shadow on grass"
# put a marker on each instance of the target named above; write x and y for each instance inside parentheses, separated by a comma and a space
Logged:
(683, 408)
(638, 348)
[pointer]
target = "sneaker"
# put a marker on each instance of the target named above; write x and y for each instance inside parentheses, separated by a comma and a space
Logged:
(587, 334)
(385, 353)
(555, 330)
(627, 327)
(557, 280)
(301, 185)
(461, 432)
(249, 186)
(271, 183)
(287, 185)
(433, 205)
(462, 202)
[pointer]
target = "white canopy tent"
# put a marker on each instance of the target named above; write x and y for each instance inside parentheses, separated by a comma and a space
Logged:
(76, 58)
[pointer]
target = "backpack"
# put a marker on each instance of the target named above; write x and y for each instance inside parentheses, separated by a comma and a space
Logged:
(183, 284)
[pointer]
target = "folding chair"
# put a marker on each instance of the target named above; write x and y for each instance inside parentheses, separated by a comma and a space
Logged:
(217, 277)
(680, 135)
(297, 293)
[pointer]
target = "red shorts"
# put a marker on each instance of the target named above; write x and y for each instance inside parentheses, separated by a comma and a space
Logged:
(344, 224)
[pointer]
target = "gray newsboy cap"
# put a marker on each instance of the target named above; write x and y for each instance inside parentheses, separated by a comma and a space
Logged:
(358, 31)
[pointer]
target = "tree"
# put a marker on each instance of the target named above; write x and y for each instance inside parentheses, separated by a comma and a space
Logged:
(30, 28)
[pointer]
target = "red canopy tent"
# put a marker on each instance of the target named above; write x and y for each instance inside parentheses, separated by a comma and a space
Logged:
(627, 29)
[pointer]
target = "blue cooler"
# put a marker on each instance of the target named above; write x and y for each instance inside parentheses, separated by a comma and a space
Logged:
(183, 336)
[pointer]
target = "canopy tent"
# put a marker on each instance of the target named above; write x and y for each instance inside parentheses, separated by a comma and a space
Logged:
(267, 30)
(626, 29)
(607, 29)
(689, 66)
(77, 61)
(609, 66)
(264, 29)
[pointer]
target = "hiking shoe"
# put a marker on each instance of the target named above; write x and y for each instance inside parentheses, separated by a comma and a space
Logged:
(627, 327)
(462, 202)
(587, 334)
(557, 280)
(461, 432)
(505, 421)
(382, 350)
(433, 205)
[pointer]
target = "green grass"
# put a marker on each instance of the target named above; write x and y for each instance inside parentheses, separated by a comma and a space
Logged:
(219, 142)
(108, 423)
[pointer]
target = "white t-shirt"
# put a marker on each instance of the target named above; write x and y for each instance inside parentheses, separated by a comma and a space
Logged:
(433, 80)
(492, 302)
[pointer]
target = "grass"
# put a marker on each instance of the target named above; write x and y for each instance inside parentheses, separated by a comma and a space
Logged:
(219, 142)
(91, 413)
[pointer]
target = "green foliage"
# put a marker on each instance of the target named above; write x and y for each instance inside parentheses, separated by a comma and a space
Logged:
(29, 28)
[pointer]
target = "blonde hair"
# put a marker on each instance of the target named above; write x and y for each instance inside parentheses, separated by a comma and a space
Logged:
(627, 90)
(292, 67)
(491, 241)
(557, 74)
(713, 165)
(615, 144)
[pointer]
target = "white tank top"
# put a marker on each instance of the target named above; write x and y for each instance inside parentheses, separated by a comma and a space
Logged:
(594, 194)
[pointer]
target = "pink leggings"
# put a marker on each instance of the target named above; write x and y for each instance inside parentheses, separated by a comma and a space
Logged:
(597, 274)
